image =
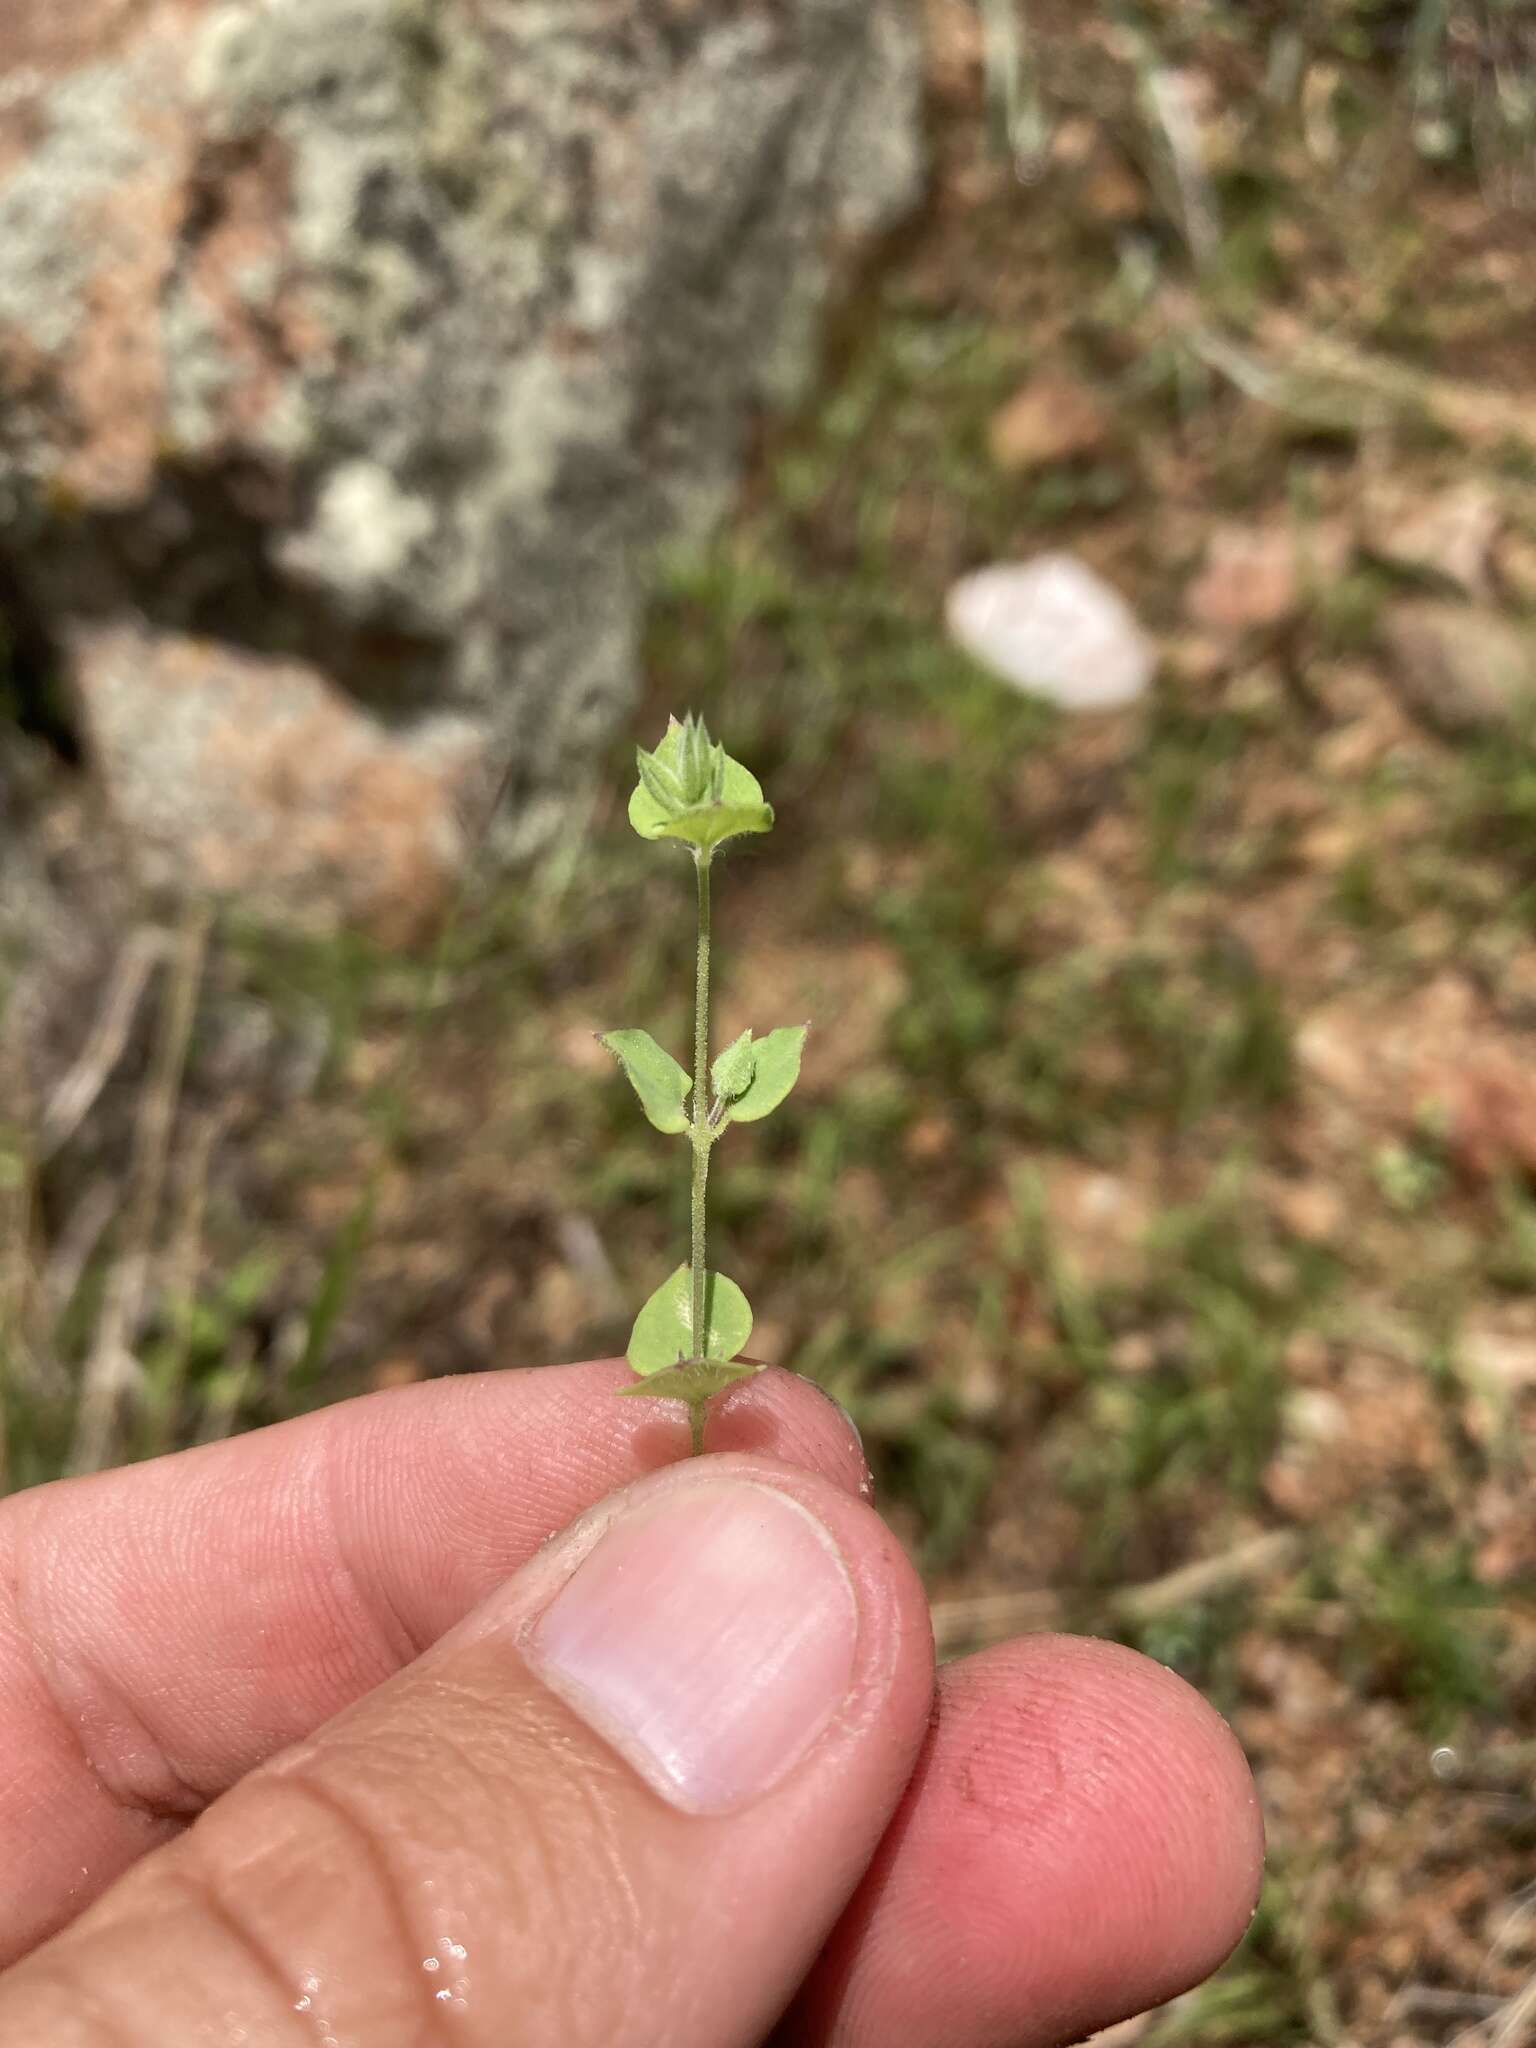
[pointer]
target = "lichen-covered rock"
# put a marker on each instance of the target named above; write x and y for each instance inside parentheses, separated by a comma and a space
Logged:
(261, 780)
(384, 337)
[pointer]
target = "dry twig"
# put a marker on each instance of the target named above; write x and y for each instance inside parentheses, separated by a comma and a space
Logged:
(992, 1617)
(72, 1100)
(1515, 2025)
(111, 1367)
(1324, 377)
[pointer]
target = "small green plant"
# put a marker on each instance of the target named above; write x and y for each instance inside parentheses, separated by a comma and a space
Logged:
(688, 1339)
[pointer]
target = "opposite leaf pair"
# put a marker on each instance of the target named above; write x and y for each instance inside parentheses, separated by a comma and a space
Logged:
(749, 1079)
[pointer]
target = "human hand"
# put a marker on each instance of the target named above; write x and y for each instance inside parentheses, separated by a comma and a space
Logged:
(656, 1781)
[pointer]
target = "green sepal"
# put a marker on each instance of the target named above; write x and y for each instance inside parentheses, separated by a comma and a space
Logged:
(661, 1084)
(691, 789)
(660, 784)
(734, 1068)
(776, 1069)
(700, 761)
(663, 1333)
(711, 827)
(695, 1382)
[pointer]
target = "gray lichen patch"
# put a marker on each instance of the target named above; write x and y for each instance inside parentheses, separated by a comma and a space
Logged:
(433, 320)
(92, 142)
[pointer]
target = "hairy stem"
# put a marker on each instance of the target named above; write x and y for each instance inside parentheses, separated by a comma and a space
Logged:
(701, 1134)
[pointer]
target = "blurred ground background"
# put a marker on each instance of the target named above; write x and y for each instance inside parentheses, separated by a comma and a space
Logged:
(1159, 1193)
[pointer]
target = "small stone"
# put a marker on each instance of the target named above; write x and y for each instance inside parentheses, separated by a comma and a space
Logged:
(1134, 1353)
(1507, 1554)
(1074, 142)
(1200, 657)
(1316, 1415)
(1262, 575)
(1312, 1210)
(1463, 670)
(1052, 419)
(1514, 562)
(1487, 1103)
(1505, 1358)
(1099, 1221)
(1053, 629)
(1377, 1425)
(1114, 194)
(930, 1138)
(1449, 536)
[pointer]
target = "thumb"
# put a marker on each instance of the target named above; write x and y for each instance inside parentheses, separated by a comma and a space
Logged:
(622, 1803)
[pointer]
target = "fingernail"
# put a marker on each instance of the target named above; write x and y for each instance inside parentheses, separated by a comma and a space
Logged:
(709, 1637)
(867, 1482)
(846, 1413)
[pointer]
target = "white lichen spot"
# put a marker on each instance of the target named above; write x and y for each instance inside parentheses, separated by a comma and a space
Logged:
(363, 532)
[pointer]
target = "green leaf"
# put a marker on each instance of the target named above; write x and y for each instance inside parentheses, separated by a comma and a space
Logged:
(733, 1069)
(776, 1070)
(663, 1332)
(661, 1084)
(695, 1383)
(713, 824)
(716, 798)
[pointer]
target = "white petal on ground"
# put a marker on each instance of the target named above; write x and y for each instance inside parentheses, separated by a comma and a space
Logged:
(1054, 629)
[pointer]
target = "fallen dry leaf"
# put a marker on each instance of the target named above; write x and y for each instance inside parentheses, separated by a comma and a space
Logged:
(1054, 418)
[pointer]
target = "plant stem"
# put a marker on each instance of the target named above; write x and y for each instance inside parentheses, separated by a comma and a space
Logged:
(701, 1134)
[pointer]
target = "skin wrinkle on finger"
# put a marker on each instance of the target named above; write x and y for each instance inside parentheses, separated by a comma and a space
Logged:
(142, 1767)
(339, 1484)
(114, 1748)
(407, 1893)
(374, 1865)
(579, 1897)
(1080, 1841)
(61, 1764)
(267, 1967)
(93, 2020)
(1065, 1681)
(208, 1609)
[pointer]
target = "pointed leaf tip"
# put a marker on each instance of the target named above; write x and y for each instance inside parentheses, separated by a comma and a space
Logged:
(661, 1084)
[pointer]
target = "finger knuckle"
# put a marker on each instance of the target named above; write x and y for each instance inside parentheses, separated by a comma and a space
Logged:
(317, 1899)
